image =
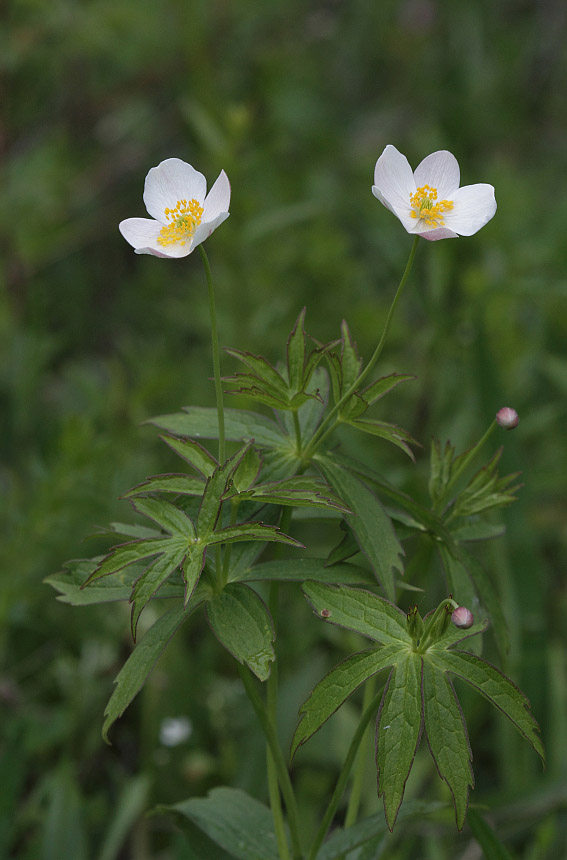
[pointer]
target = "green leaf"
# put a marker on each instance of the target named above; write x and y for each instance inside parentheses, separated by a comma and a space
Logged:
(492, 848)
(251, 531)
(447, 736)
(398, 730)
(69, 583)
(351, 362)
(151, 579)
(298, 491)
(240, 621)
(262, 369)
(441, 469)
(391, 432)
(181, 484)
(429, 521)
(192, 567)
(382, 386)
(360, 610)
(167, 516)
(131, 530)
(233, 820)
(126, 554)
(499, 690)
(133, 674)
(370, 523)
(202, 422)
(302, 569)
(215, 490)
(336, 687)
(193, 454)
(347, 547)
(247, 471)
(489, 600)
(343, 841)
(296, 354)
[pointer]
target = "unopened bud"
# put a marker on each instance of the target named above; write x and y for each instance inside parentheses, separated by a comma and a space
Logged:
(462, 617)
(507, 418)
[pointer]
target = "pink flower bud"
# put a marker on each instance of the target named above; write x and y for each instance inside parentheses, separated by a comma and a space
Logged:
(507, 418)
(462, 617)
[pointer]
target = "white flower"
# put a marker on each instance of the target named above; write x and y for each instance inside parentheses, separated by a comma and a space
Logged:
(429, 202)
(175, 195)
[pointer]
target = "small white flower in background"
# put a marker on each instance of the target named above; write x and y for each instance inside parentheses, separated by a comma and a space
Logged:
(175, 195)
(429, 202)
(174, 731)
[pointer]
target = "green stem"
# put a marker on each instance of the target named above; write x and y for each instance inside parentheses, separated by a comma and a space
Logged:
(331, 420)
(277, 755)
(360, 763)
(464, 463)
(344, 775)
(215, 345)
(297, 427)
(272, 703)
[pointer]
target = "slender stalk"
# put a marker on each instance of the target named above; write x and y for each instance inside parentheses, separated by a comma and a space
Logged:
(215, 345)
(297, 428)
(360, 762)
(272, 704)
(278, 758)
(464, 463)
(331, 420)
(344, 775)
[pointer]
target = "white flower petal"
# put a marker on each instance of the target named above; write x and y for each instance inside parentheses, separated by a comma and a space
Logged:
(393, 179)
(205, 229)
(217, 201)
(142, 234)
(474, 206)
(439, 170)
(438, 233)
(170, 181)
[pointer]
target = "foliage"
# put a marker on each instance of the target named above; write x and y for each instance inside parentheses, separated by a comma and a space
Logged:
(295, 102)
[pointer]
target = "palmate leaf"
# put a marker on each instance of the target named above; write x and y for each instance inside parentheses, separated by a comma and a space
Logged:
(398, 730)
(369, 522)
(418, 693)
(240, 621)
(298, 491)
(380, 387)
(336, 687)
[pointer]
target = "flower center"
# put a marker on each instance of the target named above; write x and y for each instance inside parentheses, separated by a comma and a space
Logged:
(425, 206)
(184, 220)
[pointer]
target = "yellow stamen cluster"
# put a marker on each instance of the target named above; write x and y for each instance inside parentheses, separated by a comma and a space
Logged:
(184, 220)
(424, 206)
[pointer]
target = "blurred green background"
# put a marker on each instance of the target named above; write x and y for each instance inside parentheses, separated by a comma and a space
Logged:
(295, 100)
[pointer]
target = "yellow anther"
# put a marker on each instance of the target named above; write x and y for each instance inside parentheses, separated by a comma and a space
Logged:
(184, 220)
(424, 206)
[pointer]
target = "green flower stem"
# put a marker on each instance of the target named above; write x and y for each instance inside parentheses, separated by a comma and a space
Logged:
(272, 703)
(344, 775)
(234, 505)
(360, 762)
(215, 345)
(277, 755)
(463, 466)
(297, 427)
(331, 420)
